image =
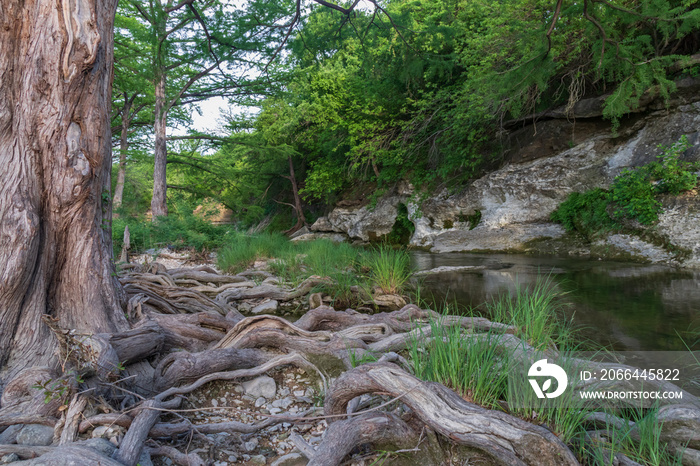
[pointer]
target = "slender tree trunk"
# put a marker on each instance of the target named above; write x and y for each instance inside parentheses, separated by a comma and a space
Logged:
(55, 238)
(301, 219)
(159, 206)
(123, 148)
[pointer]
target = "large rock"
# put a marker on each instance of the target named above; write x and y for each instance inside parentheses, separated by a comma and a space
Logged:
(267, 307)
(261, 386)
(366, 223)
(515, 202)
(35, 434)
(335, 237)
(680, 224)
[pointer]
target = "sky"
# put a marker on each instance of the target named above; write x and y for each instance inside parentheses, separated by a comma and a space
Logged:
(210, 119)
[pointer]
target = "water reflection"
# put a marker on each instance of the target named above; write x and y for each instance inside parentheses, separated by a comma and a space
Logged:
(627, 307)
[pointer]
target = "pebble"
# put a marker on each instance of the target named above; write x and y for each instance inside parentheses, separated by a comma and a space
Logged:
(260, 402)
(251, 444)
(275, 410)
(258, 459)
(299, 393)
(283, 403)
(11, 458)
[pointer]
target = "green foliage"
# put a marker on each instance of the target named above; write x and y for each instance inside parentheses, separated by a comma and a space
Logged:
(585, 213)
(403, 227)
(472, 219)
(182, 229)
(418, 90)
(632, 195)
(673, 175)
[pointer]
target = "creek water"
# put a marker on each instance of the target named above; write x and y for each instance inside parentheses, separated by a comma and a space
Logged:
(623, 306)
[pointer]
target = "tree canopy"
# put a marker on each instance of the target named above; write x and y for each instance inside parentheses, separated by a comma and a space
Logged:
(421, 90)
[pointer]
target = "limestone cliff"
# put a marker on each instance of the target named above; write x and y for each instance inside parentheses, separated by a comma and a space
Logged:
(549, 156)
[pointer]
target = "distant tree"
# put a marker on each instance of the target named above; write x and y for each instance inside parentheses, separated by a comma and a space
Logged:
(133, 95)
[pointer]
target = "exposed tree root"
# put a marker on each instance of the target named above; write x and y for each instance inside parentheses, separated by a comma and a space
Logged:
(171, 429)
(205, 275)
(117, 419)
(507, 439)
(273, 291)
(69, 434)
(181, 459)
(190, 310)
(294, 359)
(382, 430)
(193, 332)
(23, 403)
(138, 343)
(183, 366)
(25, 452)
(172, 297)
(248, 325)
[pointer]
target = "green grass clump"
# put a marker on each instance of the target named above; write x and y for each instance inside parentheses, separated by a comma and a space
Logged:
(243, 250)
(389, 269)
(352, 271)
(473, 366)
(325, 258)
(537, 313)
(640, 442)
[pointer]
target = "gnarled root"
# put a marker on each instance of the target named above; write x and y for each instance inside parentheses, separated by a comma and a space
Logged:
(193, 332)
(181, 459)
(505, 438)
(183, 366)
(378, 429)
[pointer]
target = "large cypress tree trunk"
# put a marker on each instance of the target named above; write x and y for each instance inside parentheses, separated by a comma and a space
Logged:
(55, 239)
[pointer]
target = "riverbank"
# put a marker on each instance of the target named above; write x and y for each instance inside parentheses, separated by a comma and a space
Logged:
(382, 356)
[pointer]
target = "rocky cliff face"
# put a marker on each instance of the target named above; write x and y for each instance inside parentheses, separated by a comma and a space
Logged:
(548, 160)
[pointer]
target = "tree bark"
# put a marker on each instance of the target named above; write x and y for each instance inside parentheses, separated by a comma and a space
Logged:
(55, 150)
(159, 205)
